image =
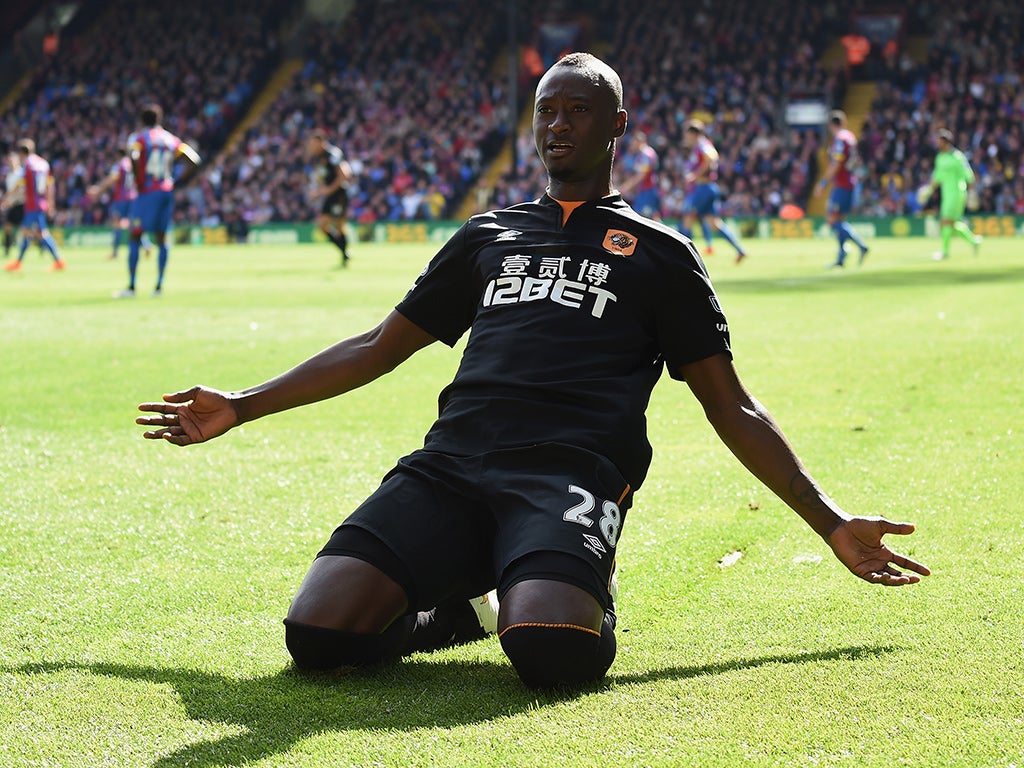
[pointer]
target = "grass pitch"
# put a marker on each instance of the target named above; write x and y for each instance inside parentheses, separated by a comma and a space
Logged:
(142, 586)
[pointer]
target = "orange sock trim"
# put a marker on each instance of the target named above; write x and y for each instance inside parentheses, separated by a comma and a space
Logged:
(549, 626)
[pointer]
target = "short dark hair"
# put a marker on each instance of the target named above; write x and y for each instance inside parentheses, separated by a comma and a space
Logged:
(597, 70)
(695, 126)
(152, 115)
(26, 146)
(837, 117)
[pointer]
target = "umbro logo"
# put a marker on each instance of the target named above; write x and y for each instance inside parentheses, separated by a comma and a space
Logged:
(594, 545)
(508, 234)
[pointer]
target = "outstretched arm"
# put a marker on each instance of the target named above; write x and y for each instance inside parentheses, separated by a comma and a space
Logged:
(189, 153)
(749, 431)
(98, 189)
(200, 413)
(192, 160)
(632, 182)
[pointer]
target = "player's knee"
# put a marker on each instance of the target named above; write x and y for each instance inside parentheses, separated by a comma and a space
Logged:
(320, 648)
(555, 655)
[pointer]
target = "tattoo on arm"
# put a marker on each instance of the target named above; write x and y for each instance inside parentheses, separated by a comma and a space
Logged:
(815, 510)
(804, 490)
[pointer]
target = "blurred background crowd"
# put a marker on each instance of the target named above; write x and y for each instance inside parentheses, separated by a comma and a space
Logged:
(420, 97)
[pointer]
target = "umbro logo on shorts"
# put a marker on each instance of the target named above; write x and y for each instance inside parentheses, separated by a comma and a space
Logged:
(618, 242)
(594, 545)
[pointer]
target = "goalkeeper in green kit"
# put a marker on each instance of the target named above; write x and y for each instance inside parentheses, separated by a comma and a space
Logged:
(955, 179)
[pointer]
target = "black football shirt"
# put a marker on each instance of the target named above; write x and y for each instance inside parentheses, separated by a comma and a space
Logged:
(328, 166)
(570, 327)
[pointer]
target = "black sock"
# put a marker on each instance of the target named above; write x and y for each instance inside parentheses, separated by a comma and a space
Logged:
(321, 648)
(340, 240)
(554, 655)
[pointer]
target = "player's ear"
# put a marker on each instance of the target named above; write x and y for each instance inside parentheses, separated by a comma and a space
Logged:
(621, 118)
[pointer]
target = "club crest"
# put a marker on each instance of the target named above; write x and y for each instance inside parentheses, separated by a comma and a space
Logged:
(618, 242)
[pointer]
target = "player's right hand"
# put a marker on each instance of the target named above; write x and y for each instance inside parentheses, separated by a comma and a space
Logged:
(191, 416)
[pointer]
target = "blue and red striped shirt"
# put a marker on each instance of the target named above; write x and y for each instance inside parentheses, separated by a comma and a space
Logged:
(153, 151)
(36, 178)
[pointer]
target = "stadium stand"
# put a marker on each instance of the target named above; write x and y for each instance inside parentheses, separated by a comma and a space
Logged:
(418, 97)
(966, 77)
(733, 66)
(406, 95)
(81, 103)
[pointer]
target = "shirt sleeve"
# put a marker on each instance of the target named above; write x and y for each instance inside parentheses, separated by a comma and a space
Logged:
(690, 323)
(968, 171)
(443, 300)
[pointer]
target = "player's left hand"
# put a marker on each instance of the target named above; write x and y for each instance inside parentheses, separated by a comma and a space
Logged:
(858, 544)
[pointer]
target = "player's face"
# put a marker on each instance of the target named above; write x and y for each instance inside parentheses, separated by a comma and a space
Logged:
(690, 139)
(575, 124)
(314, 146)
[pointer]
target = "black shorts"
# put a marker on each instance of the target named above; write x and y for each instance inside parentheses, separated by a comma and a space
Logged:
(455, 526)
(14, 214)
(335, 204)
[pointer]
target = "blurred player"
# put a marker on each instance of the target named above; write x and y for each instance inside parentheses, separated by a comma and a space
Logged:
(642, 183)
(701, 178)
(331, 175)
(153, 152)
(35, 182)
(122, 179)
(842, 154)
(14, 200)
(574, 305)
(954, 177)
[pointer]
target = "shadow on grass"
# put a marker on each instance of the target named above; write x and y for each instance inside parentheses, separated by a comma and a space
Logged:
(279, 710)
(854, 279)
(682, 673)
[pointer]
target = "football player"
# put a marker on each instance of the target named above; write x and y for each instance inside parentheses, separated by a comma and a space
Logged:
(575, 305)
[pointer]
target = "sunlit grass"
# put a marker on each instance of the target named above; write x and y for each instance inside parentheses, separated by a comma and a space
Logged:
(142, 586)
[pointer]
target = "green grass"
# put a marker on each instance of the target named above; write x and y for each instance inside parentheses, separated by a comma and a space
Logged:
(142, 586)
